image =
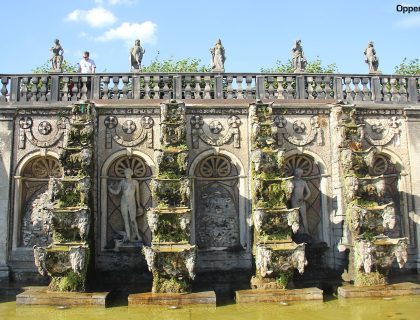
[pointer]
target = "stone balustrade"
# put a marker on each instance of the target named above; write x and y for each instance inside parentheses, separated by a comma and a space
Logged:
(54, 87)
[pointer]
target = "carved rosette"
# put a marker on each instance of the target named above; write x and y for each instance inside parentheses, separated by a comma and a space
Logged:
(47, 135)
(215, 127)
(134, 134)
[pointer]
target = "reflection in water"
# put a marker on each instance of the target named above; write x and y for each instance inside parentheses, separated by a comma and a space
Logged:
(402, 308)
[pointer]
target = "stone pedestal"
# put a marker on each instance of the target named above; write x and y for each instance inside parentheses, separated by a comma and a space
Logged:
(278, 295)
(391, 290)
(41, 296)
(207, 298)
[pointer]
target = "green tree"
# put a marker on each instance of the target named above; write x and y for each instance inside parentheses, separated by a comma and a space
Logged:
(314, 66)
(67, 67)
(171, 65)
(408, 67)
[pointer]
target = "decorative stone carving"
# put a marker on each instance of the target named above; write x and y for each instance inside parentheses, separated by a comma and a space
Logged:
(299, 129)
(77, 258)
(381, 133)
(371, 59)
(215, 127)
(300, 194)
(298, 59)
(129, 127)
(218, 57)
(44, 128)
(40, 255)
(56, 56)
(232, 134)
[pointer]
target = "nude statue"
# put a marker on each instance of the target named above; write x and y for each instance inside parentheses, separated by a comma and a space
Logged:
(130, 203)
(300, 194)
(371, 59)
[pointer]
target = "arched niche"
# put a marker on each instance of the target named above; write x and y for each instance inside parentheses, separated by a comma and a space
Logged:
(31, 181)
(112, 223)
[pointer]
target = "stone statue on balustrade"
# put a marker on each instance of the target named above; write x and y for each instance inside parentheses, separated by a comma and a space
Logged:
(130, 204)
(300, 195)
(56, 56)
(298, 59)
(371, 59)
(136, 56)
(218, 57)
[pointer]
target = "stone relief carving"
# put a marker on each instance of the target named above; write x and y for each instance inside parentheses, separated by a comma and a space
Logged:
(300, 136)
(138, 134)
(77, 257)
(45, 128)
(215, 127)
(381, 132)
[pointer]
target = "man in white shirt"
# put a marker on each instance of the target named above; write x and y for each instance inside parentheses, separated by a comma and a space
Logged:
(87, 65)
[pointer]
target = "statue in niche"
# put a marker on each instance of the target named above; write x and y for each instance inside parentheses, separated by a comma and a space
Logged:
(218, 57)
(298, 59)
(130, 204)
(136, 56)
(300, 194)
(371, 59)
(56, 56)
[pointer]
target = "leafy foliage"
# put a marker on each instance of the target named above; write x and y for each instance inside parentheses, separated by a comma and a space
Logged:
(311, 67)
(171, 65)
(408, 67)
(46, 67)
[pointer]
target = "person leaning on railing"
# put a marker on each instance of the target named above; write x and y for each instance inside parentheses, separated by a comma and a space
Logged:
(86, 65)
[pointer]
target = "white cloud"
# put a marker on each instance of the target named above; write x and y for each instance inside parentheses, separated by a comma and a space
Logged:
(116, 2)
(145, 31)
(409, 22)
(96, 17)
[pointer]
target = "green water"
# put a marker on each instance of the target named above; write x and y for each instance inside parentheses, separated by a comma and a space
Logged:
(401, 308)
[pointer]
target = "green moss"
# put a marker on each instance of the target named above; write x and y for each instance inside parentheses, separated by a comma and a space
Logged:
(169, 229)
(70, 282)
(370, 279)
(284, 278)
(169, 285)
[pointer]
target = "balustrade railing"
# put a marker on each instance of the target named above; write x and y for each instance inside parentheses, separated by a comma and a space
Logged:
(28, 88)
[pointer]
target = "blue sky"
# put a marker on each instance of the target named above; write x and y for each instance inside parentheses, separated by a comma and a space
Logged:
(254, 33)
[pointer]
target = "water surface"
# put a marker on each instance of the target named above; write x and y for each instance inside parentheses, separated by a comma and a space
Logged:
(401, 308)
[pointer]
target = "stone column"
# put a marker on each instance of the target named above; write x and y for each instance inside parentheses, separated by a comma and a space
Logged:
(413, 132)
(6, 143)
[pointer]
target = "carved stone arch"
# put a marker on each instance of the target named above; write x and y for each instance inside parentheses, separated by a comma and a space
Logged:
(112, 173)
(31, 181)
(243, 205)
(314, 171)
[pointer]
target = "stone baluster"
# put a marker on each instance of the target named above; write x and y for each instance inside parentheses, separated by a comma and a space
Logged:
(403, 90)
(366, 92)
(105, 90)
(395, 96)
(115, 89)
(197, 89)
(187, 89)
(358, 94)
(156, 88)
(239, 94)
(386, 89)
(147, 87)
(43, 90)
(65, 90)
(24, 89)
(125, 94)
(166, 94)
(75, 89)
(248, 80)
(327, 89)
(281, 92)
(270, 81)
(320, 94)
(34, 90)
(311, 84)
(348, 91)
(229, 89)
(4, 82)
(289, 89)
(207, 87)
(83, 88)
